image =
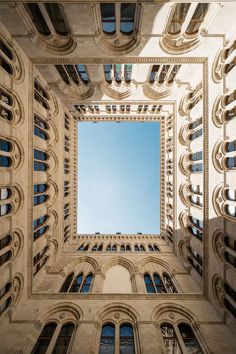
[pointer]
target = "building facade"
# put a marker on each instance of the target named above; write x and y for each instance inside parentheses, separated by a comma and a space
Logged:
(65, 63)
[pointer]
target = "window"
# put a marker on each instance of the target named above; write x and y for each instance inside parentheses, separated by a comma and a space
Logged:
(5, 241)
(197, 19)
(118, 18)
(66, 232)
(40, 227)
(5, 205)
(6, 57)
(230, 250)
(61, 341)
(40, 128)
(179, 15)
(56, 16)
(116, 72)
(109, 341)
(5, 149)
(41, 95)
(196, 227)
(180, 339)
(66, 211)
(5, 257)
(5, 292)
(39, 260)
(66, 165)
(66, 188)
(39, 193)
(77, 284)
(230, 299)
(170, 338)
(155, 284)
(76, 73)
(196, 260)
(39, 160)
(6, 103)
(67, 122)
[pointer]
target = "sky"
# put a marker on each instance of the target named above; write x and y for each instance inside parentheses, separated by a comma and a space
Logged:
(118, 177)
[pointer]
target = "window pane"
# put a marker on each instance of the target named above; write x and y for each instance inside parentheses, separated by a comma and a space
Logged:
(55, 13)
(190, 341)
(108, 18)
(37, 18)
(126, 339)
(44, 339)
(170, 339)
(107, 342)
(63, 339)
(127, 18)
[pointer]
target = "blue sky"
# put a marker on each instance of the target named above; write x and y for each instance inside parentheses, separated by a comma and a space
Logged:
(118, 177)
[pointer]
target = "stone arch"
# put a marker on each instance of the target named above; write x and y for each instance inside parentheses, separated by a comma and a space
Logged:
(143, 263)
(76, 262)
(117, 260)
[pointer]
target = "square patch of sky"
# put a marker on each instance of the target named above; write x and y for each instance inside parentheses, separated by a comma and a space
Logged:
(118, 178)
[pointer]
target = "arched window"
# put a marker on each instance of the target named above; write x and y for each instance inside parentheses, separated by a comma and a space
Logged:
(50, 336)
(100, 248)
(66, 233)
(178, 18)
(196, 260)
(66, 166)
(5, 292)
(6, 103)
(122, 248)
(77, 283)
(107, 341)
(126, 339)
(195, 129)
(196, 167)
(197, 18)
(114, 248)
(66, 211)
(66, 122)
(142, 249)
(170, 338)
(118, 18)
(95, 248)
(116, 72)
(41, 95)
(180, 339)
(108, 248)
(128, 248)
(40, 127)
(230, 300)
(196, 227)
(155, 284)
(156, 248)
(86, 284)
(67, 283)
(196, 196)
(136, 248)
(40, 226)
(44, 338)
(77, 74)
(5, 257)
(150, 248)
(149, 283)
(39, 260)
(5, 241)
(6, 57)
(66, 143)
(58, 23)
(5, 150)
(39, 193)
(5, 201)
(168, 283)
(40, 159)
(66, 188)
(230, 250)
(189, 339)
(63, 339)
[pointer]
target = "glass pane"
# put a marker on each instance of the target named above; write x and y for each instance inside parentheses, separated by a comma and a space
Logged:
(170, 339)
(63, 339)
(127, 18)
(190, 341)
(37, 18)
(126, 339)
(197, 18)
(55, 13)
(108, 18)
(44, 339)
(107, 342)
(178, 18)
